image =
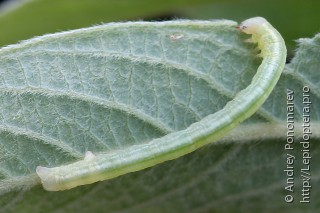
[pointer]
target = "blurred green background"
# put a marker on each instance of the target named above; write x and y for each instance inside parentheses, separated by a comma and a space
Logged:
(24, 19)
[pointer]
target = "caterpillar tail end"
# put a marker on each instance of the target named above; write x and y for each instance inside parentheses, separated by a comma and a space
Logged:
(47, 178)
(42, 171)
(52, 178)
(88, 156)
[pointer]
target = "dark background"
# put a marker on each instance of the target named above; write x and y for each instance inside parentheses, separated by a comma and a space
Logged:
(293, 18)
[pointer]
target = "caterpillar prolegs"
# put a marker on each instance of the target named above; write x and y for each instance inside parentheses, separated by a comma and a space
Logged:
(211, 128)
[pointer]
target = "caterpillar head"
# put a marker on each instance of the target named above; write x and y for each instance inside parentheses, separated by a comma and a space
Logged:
(251, 25)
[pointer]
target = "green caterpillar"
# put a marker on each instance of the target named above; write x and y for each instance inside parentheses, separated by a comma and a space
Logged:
(211, 128)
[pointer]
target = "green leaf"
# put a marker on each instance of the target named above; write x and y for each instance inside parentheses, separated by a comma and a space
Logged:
(67, 93)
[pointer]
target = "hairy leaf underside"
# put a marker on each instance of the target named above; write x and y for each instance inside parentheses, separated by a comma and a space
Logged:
(112, 86)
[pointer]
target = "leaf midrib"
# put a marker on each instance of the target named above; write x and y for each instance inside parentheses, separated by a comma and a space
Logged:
(96, 100)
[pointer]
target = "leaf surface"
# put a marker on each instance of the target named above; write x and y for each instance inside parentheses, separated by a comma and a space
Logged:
(112, 86)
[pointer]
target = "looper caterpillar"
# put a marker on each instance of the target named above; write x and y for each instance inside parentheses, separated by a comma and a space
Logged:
(211, 128)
